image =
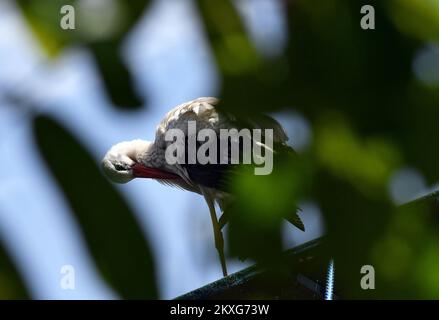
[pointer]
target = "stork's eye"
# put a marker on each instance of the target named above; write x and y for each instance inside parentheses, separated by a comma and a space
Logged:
(119, 167)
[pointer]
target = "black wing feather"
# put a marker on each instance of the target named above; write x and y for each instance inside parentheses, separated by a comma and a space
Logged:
(216, 175)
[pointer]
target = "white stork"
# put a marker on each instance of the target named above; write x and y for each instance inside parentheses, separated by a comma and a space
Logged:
(144, 159)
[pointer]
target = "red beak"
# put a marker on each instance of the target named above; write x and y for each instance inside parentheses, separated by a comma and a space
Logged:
(140, 171)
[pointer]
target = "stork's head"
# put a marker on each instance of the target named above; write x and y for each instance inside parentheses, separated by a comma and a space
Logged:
(121, 163)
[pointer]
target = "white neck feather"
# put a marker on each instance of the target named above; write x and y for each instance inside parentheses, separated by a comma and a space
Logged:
(135, 149)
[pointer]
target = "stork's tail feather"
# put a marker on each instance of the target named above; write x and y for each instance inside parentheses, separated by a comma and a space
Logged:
(294, 219)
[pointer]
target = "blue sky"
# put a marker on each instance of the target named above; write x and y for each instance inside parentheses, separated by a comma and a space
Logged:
(172, 63)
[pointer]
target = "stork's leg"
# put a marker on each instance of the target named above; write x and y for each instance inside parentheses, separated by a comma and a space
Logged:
(218, 235)
(219, 240)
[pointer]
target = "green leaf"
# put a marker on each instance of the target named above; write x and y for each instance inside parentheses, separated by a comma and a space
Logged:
(111, 231)
(43, 18)
(11, 283)
(117, 79)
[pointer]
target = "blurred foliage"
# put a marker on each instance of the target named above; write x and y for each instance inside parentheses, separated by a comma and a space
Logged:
(112, 233)
(407, 13)
(101, 26)
(256, 218)
(11, 284)
(369, 116)
(249, 81)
